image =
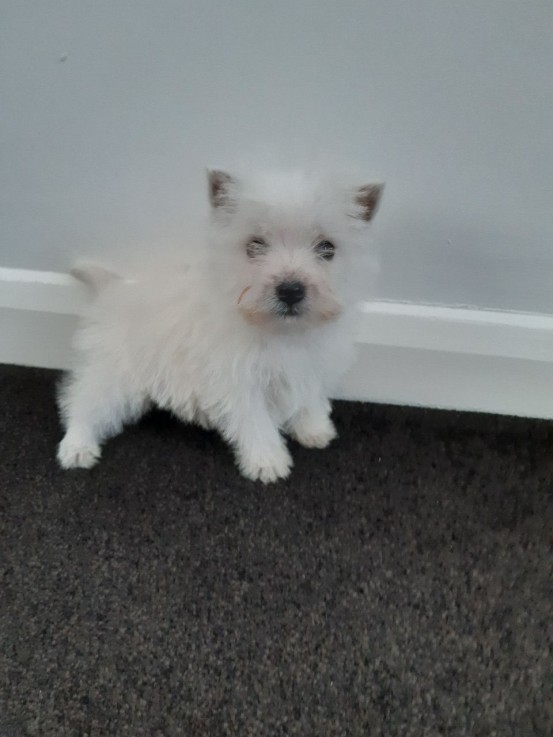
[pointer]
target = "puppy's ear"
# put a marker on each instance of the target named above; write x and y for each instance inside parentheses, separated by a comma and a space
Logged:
(221, 189)
(368, 198)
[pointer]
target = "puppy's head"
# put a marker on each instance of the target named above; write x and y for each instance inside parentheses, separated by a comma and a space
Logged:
(285, 246)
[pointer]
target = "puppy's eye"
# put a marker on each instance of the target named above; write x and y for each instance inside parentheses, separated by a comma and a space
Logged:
(256, 246)
(326, 250)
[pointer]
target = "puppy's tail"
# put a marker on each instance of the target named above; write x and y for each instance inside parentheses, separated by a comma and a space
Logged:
(95, 277)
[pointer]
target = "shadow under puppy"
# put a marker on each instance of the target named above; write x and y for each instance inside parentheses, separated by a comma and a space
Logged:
(250, 341)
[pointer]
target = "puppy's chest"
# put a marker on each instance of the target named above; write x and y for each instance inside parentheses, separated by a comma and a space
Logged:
(288, 386)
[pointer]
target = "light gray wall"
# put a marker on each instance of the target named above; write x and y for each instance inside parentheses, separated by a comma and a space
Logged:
(110, 109)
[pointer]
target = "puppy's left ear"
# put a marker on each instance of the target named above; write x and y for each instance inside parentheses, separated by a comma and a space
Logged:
(368, 198)
(221, 189)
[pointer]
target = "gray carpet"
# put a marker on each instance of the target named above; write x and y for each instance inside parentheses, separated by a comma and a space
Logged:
(400, 583)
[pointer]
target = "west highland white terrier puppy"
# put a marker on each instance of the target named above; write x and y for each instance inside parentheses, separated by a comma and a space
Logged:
(249, 341)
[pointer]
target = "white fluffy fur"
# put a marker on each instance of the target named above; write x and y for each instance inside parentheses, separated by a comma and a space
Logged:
(206, 340)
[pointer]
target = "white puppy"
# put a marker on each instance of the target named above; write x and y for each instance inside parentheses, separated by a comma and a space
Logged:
(250, 341)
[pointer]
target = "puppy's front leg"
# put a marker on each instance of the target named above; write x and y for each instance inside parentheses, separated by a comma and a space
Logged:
(312, 426)
(260, 449)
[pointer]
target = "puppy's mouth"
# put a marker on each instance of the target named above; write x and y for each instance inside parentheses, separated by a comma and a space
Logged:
(289, 312)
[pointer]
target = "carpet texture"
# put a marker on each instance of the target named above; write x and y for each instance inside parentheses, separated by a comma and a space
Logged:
(399, 583)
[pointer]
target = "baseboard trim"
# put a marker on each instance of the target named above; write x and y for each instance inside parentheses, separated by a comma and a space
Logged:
(427, 355)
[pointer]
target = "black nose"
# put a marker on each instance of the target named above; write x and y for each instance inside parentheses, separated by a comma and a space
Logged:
(290, 292)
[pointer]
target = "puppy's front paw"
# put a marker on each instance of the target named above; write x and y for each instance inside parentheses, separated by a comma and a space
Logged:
(314, 434)
(72, 454)
(267, 468)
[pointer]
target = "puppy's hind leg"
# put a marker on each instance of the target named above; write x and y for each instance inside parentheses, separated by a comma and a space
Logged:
(94, 405)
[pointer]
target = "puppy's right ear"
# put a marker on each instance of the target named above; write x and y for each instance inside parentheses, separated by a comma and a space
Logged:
(221, 189)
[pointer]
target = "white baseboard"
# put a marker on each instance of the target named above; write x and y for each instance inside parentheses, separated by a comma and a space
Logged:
(433, 356)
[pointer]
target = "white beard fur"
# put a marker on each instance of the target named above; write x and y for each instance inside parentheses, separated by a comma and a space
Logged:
(184, 339)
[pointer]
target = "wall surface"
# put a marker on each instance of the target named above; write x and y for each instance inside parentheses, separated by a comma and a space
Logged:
(111, 110)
